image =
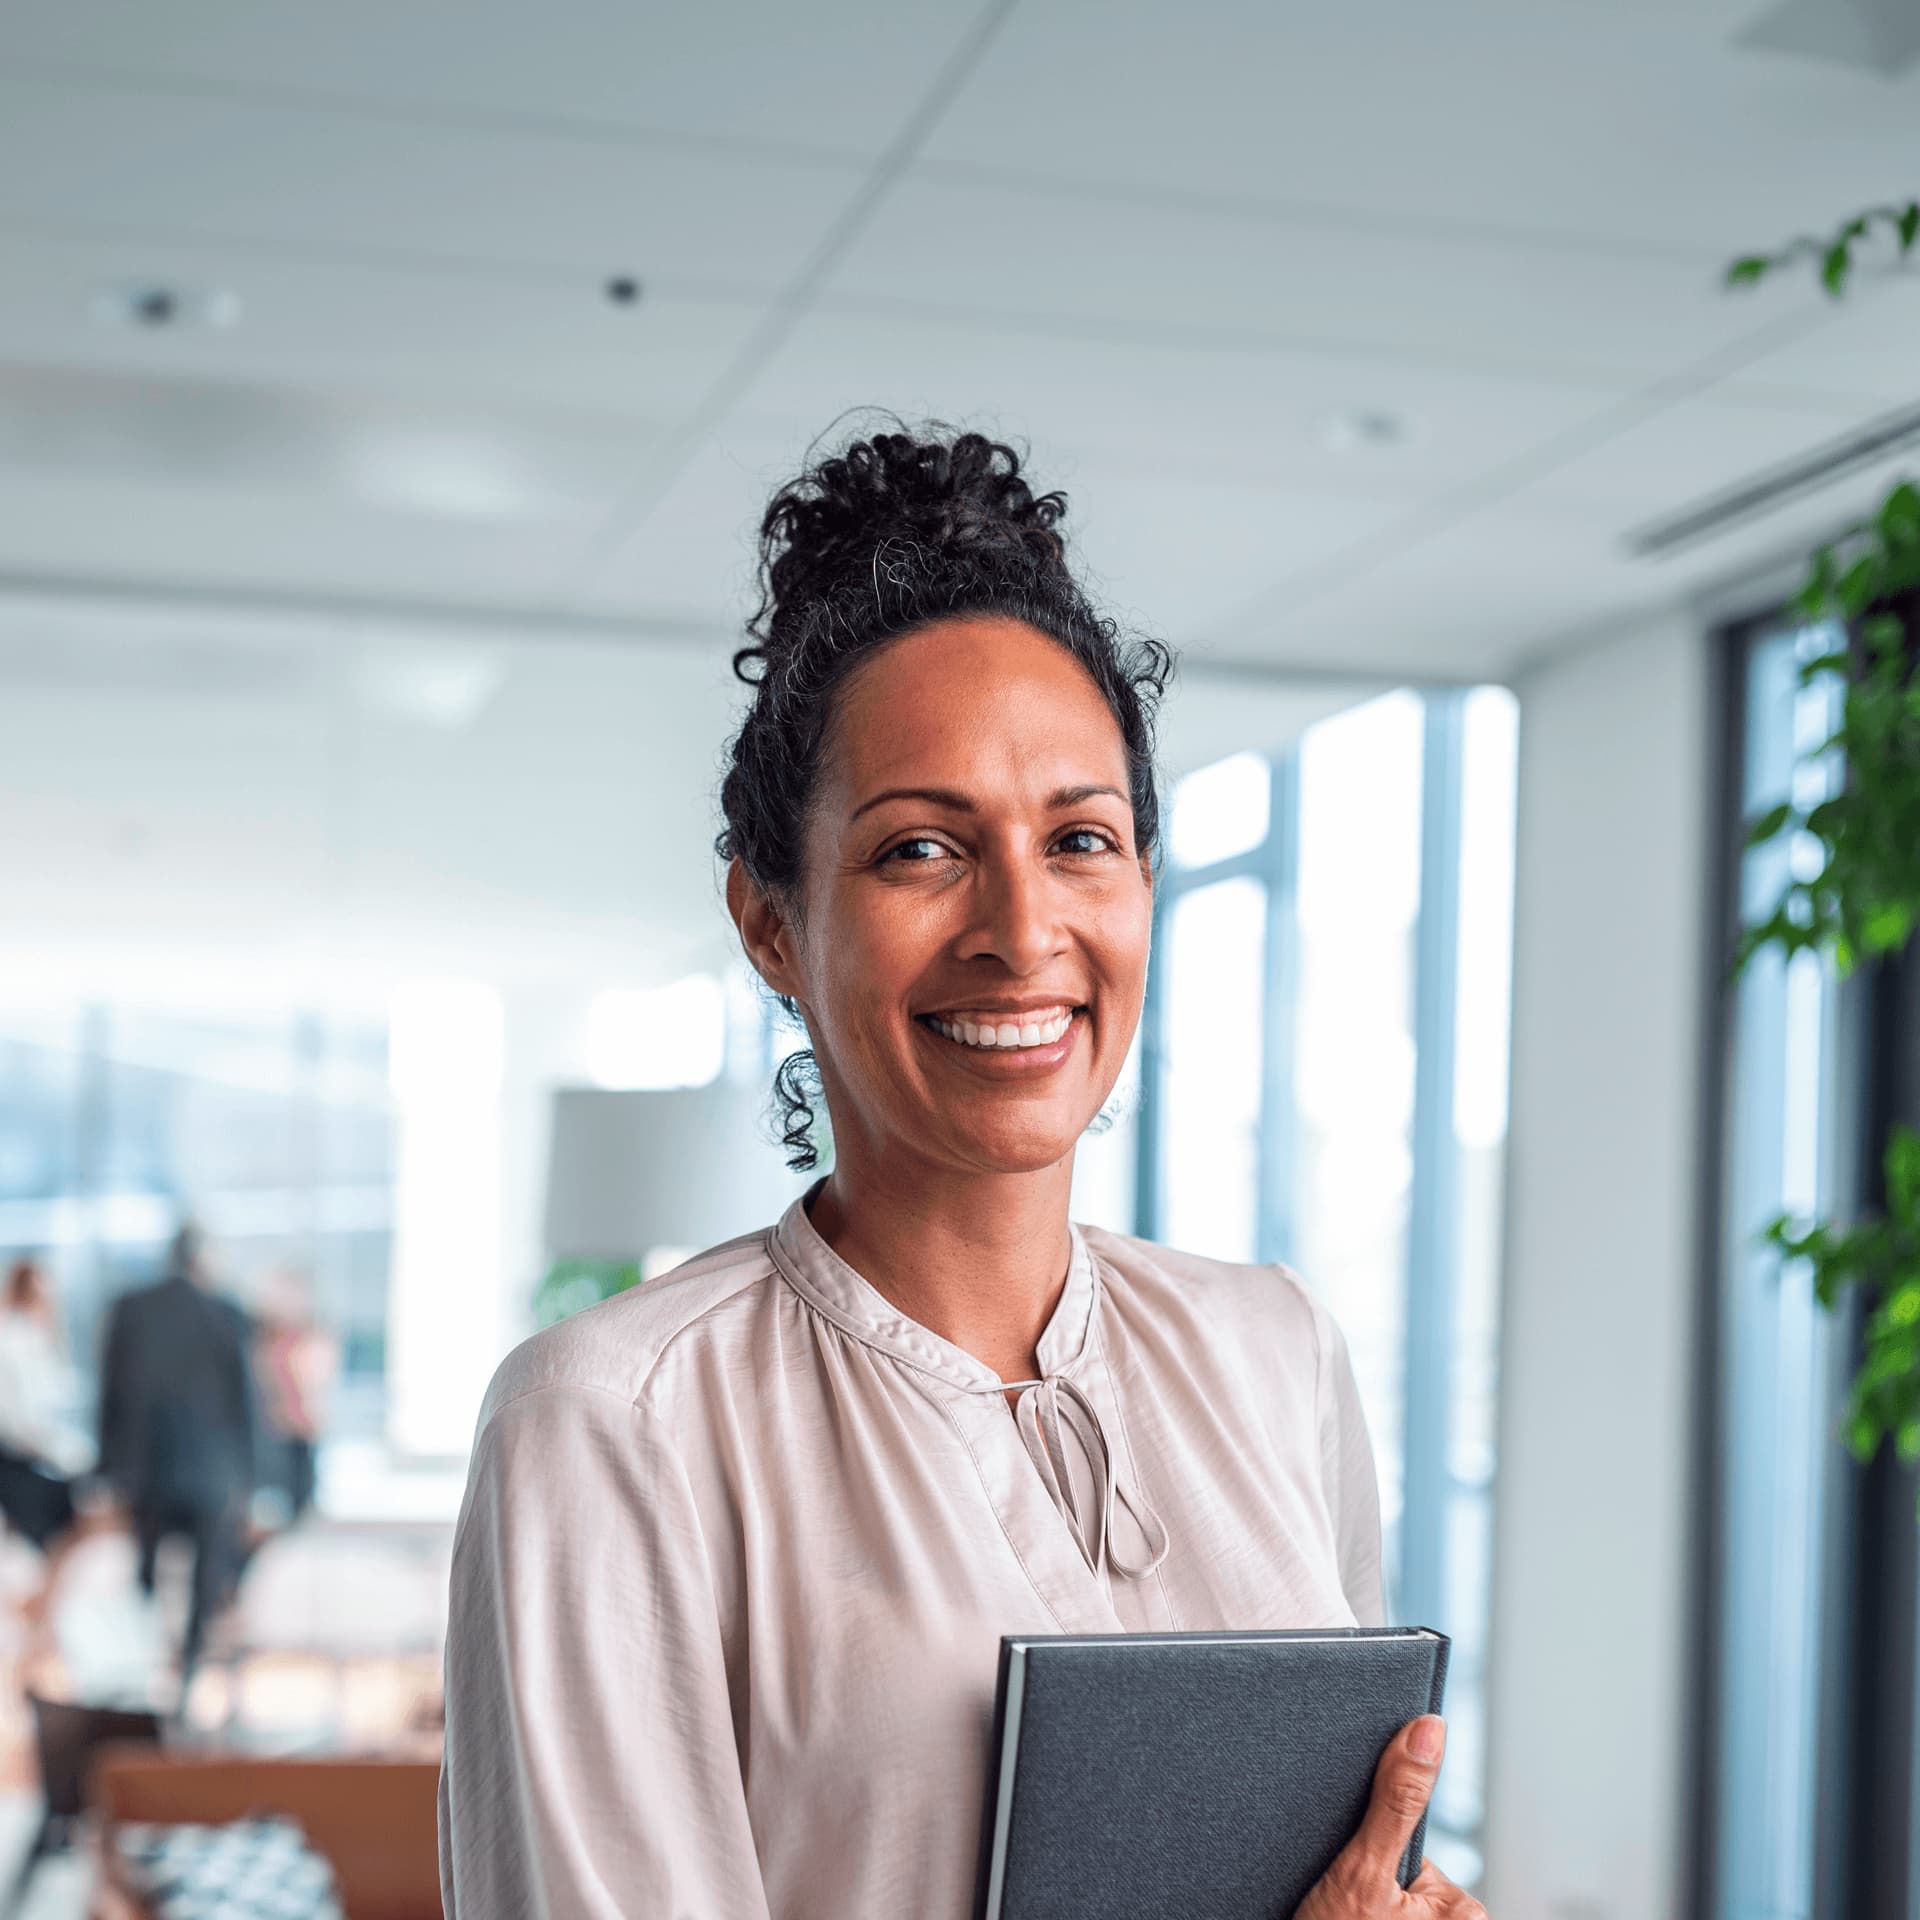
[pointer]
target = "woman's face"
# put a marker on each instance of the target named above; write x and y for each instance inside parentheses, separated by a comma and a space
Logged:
(972, 951)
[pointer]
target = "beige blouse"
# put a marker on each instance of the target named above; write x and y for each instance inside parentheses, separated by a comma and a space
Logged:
(738, 1548)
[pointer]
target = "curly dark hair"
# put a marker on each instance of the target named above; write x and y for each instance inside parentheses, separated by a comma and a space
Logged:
(888, 535)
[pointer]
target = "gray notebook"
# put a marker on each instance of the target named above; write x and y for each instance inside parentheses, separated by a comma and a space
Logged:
(1134, 1776)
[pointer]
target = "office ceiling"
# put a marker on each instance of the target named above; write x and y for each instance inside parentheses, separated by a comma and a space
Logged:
(370, 616)
(1190, 253)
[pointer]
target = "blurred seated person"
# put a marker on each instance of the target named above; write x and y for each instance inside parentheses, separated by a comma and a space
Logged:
(43, 1458)
(180, 1426)
(296, 1359)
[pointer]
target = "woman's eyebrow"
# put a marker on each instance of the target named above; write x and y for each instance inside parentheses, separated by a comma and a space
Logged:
(940, 796)
(1072, 796)
(959, 802)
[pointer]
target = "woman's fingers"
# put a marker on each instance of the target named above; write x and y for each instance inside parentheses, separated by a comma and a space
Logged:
(1364, 1882)
(1402, 1786)
(1443, 1899)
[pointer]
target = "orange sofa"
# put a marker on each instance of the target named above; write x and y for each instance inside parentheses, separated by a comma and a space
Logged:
(375, 1820)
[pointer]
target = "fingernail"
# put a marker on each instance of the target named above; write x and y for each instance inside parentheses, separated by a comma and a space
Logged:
(1428, 1737)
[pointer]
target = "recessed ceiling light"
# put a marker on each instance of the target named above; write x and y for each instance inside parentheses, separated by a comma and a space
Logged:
(1364, 430)
(165, 306)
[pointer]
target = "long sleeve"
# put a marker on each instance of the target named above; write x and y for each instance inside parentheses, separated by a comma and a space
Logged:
(591, 1770)
(1348, 1474)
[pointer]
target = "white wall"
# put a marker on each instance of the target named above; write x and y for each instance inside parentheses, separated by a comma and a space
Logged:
(1587, 1784)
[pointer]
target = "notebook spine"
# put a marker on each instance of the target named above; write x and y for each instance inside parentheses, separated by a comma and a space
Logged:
(1436, 1692)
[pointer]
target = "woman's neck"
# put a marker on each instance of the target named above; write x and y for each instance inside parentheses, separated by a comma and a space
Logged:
(978, 1259)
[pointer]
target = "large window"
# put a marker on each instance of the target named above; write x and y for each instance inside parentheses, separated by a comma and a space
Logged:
(1325, 1083)
(1808, 1765)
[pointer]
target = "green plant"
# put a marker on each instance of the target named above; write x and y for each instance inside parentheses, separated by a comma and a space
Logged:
(1884, 1256)
(1863, 901)
(1835, 252)
(570, 1285)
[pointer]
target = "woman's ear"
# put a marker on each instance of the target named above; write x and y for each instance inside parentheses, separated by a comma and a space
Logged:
(765, 933)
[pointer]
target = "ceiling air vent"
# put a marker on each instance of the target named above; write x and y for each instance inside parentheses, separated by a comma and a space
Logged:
(1870, 36)
(1721, 512)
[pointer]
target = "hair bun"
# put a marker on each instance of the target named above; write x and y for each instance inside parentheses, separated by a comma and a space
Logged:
(895, 513)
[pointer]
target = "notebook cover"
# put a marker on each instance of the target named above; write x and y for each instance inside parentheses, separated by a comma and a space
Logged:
(1215, 1773)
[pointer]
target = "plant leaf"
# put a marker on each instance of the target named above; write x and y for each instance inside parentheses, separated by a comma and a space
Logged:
(1903, 1176)
(1745, 272)
(1859, 584)
(1888, 926)
(1885, 633)
(1770, 825)
(1840, 661)
(1909, 224)
(1835, 268)
(1900, 515)
(1811, 601)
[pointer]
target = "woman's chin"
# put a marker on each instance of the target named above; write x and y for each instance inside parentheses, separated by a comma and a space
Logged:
(1028, 1143)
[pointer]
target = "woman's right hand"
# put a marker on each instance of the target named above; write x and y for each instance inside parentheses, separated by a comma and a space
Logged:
(1364, 1882)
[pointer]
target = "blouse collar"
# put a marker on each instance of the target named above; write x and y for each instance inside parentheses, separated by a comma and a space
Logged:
(821, 1277)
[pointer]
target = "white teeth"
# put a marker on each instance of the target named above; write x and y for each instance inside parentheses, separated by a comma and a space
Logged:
(1031, 1033)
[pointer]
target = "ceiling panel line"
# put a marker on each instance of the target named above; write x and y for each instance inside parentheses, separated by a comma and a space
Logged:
(1217, 339)
(577, 129)
(916, 127)
(34, 595)
(1323, 215)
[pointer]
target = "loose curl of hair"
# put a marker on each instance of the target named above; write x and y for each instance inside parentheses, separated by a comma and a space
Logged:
(878, 540)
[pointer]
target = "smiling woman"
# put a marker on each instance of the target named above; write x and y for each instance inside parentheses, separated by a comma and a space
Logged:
(739, 1547)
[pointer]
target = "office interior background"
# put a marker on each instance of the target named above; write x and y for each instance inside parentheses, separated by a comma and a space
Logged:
(388, 393)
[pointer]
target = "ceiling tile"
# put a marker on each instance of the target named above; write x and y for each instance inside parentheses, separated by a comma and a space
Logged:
(1680, 456)
(1116, 268)
(1424, 607)
(1253, 416)
(1178, 555)
(230, 538)
(162, 167)
(402, 457)
(1868, 353)
(693, 554)
(505, 338)
(832, 75)
(1636, 127)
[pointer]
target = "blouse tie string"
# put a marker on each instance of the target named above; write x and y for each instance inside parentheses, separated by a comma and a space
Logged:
(1057, 1405)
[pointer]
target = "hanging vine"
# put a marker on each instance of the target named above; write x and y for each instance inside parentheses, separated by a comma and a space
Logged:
(1862, 901)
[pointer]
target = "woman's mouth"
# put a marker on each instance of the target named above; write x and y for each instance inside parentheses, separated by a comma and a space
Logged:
(987, 1030)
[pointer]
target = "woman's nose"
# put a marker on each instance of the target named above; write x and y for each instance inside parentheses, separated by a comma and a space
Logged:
(1019, 921)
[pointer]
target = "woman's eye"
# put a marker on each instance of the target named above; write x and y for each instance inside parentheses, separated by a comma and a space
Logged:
(915, 852)
(1095, 842)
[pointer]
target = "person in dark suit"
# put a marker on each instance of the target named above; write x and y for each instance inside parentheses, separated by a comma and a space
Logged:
(180, 1426)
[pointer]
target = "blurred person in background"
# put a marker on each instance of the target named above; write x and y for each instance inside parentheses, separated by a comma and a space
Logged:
(43, 1457)
(180, 1426)
(296, 1359)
